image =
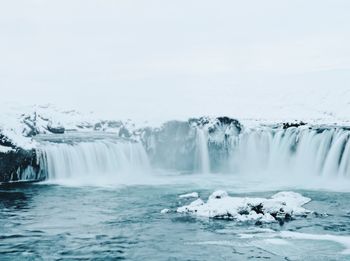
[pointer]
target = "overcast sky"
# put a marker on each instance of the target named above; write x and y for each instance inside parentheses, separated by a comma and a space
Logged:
(159, 59)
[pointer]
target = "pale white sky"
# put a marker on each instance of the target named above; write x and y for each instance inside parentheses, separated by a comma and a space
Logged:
(160, 59)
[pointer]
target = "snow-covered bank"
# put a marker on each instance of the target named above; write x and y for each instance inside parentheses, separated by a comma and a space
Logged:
(20, 124)
(281, 207)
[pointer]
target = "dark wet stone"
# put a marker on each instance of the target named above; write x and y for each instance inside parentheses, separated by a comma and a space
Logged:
(258, 209)
(229, 121)
(293, 124)
(124, 133)
(15, 163)
(56, 130)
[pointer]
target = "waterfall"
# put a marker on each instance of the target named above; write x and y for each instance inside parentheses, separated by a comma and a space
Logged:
(202, 151)
(294, 152)
(93, 159)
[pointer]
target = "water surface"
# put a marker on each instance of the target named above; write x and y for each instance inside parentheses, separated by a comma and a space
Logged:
(56, 222)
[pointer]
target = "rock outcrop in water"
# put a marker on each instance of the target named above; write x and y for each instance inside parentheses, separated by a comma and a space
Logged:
(281, 207)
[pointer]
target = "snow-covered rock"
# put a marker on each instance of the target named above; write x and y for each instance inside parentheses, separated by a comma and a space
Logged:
(192, 207)
(219, 194)
(280, 207)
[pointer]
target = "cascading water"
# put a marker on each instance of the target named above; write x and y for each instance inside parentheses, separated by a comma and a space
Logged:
(298, 153)
(202, 151)
(93, 160)
(294, 151)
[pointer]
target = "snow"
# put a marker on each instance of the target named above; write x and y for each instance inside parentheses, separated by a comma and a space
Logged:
(14, 134)
(281, 206)
(164, 211)
(193, 205)
(190, 195)
(4, 149)
(218, 194)
(293, 201)
(20, 123)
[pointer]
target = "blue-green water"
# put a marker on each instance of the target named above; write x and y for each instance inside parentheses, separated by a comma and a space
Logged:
(55, 222)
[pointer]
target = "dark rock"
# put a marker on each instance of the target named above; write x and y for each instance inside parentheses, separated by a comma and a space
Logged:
(85, 125)
(4, 141)
(288, 217)
(293, 124)
(124, 133)
(229, 121)
(199, 121)
(98, 126)
(18, 165)
(56, 130)
(243, 212)
(114, 124)
(258, 209)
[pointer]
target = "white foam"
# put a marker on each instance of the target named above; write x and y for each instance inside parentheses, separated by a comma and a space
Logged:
(276, 238)
(277, 241)
(190, 195)
(343, 240)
